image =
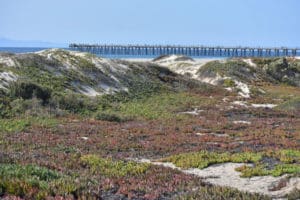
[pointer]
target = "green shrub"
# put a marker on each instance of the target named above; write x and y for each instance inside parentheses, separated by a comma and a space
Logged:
(23, 180)
(4, 110)
(30, 107)
(231, 68)
(74, 103)
(111, 117)
(288, 156)
(33, 108)
(248, 171)
(4, 104)
(110, 168)
(28, 90)
(34, 182)
(13, 125)
(260, 170)
(18, 125)
(229, 83)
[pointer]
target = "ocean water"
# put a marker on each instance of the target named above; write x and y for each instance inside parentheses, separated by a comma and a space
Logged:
(21, 49)
(36, 49)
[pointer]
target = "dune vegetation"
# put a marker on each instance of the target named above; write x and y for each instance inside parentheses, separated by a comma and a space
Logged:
(75, 126)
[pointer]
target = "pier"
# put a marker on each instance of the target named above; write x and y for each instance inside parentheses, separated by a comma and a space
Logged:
(157, 50)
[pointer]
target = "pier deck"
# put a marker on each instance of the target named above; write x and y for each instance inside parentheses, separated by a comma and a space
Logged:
(156, 50)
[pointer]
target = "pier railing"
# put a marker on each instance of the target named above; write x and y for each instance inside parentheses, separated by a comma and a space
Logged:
(157, 50)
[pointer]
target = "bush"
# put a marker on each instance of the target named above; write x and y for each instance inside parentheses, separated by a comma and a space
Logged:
(229, 83)
(13, 125)
(30, 107)
(73, 103)
(111, 168)
(111, 117)
(4, 104)
(4, 109)
(33, 182)
(28, 90)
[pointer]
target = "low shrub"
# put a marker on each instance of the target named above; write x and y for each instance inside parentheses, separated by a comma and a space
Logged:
(260, 170)
(28, 90)
(13, 125)
(74, 103)
(34, 182)
(111, 168)
(229, 83)
(111, 117)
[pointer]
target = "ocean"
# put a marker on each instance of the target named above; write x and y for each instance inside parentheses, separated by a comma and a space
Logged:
(21, 49)
(36, 49)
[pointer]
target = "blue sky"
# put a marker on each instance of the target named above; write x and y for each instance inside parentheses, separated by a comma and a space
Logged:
(189, 22)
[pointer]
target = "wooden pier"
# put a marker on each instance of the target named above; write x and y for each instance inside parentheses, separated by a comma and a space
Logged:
(157, 50)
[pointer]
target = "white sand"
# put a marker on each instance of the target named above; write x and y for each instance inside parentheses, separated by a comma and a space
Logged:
(245, 91)
(214, 134)
(250, 62)
(196, 111)
(245, 104)
(6, 78)
(138, 59)
(241, 122)
(212, 80)
(5, 60)
(186, 66)
(88, 91)
(230, 89)
(226, 175)
(192, 67)
(225, 99)
(263, 105)
(240, 103)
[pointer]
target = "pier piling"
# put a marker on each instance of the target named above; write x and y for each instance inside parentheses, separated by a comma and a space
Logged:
(157, 50)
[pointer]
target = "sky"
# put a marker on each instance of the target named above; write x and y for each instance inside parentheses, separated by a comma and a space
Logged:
(267, 23)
